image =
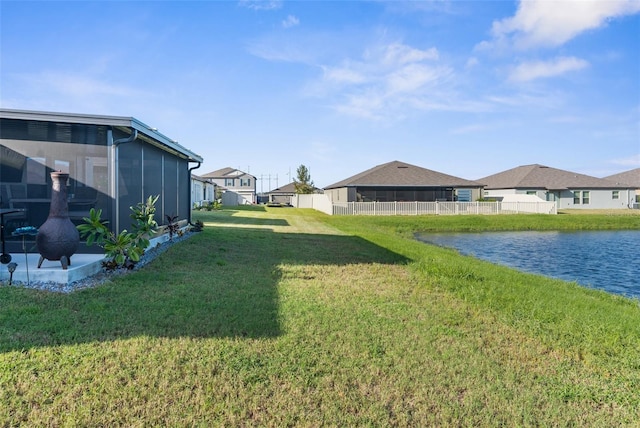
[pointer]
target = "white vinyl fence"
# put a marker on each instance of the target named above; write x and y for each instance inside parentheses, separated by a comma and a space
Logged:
(442, 208)
(322, 203)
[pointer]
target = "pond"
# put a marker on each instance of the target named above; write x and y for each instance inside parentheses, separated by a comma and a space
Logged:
(607, 260)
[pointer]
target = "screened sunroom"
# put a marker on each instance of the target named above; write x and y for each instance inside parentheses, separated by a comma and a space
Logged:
(113, 163)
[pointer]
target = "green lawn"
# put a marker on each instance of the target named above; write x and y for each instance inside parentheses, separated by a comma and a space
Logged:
(286, 317)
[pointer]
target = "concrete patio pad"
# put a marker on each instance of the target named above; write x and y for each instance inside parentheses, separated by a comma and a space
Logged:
(82, 266)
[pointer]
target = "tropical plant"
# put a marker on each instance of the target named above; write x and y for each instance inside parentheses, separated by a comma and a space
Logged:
(144, 224)
(94, 229)
(172, 226)
(197, 226)
(125, 248)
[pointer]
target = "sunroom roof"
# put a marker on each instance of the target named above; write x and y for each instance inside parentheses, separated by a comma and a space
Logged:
(114, 121)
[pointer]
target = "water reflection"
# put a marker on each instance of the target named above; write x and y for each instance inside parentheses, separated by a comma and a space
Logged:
(608, 260)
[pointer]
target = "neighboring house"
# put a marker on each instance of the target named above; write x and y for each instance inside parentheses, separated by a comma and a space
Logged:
(203, 190)
(399, 181)
(283, 195)
(568, 189)
(235, 182)
(113, 163)
(631, 178)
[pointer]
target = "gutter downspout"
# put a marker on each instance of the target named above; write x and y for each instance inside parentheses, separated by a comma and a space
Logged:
(114, 188)
(189, 193)
(130, 139)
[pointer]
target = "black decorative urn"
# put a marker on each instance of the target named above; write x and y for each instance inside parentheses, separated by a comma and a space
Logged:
(58, 238)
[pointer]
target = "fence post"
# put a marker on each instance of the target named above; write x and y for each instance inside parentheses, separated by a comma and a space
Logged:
(437, 208)
(416, 207)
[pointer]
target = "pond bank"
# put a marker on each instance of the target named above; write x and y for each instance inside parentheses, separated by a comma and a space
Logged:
(605, 260)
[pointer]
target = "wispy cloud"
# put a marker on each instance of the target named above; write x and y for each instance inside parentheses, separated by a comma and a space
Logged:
(532, 70)
(472, 62)
(367, 104)
(631, 161)
(74, 84)
(306, 47)
(543, 23)
(347, 73)
(291, 21)
(546, 100)
(72, 91)
(261, 4)
(399, 54)
(385, 80)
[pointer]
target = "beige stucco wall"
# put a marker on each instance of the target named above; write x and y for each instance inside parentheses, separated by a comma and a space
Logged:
(338, 195)
(598, 199)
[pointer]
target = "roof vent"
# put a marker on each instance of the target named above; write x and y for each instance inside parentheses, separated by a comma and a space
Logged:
(403, 166)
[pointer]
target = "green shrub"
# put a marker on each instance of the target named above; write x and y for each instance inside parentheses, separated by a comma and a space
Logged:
(125, 248)
(210, 206)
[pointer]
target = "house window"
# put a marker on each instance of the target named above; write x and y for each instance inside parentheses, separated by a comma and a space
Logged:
(245, 182)
(576, 197)
(229, 182)
(615, 194)
(585, 197)
(532, 192)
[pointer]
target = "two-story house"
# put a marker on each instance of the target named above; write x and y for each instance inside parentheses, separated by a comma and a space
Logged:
(238, 187)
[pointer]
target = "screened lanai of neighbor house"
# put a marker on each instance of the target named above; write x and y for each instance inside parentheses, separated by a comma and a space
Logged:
(400, 181)
(113, 163)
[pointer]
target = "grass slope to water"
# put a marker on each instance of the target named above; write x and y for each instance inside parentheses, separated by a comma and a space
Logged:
(285, 317)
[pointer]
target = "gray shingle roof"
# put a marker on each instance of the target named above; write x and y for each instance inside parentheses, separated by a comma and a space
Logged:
(286, 189)
(543, 177)
(396, 173)
(227, 172)
(631, 178)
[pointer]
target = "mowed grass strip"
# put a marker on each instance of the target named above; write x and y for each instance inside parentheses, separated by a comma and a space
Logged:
(256, 322)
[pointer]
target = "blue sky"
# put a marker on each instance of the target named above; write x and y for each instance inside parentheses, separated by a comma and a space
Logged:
(465, 88)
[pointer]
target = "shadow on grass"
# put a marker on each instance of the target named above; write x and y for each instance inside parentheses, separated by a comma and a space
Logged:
(254, 221)
(220, 283)
(230, 210)
(228, 216)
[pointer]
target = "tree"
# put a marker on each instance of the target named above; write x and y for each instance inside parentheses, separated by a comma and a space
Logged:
(302, 182)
